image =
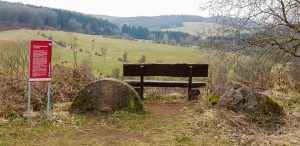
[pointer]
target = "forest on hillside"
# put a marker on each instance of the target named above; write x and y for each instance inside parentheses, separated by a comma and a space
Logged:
(17, 15)
(171, 37)
(164, 21)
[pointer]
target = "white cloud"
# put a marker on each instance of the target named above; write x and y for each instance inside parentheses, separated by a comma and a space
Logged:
(124, 8)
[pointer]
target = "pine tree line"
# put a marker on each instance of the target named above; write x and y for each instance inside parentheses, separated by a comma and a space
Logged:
(161, 36)
(16, 15)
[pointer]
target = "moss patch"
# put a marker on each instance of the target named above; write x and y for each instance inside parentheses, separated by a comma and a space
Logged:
(135, 106)
(214, 99)
(271, 107)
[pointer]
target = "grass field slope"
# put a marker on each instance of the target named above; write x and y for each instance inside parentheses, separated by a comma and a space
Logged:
(204, 29)
(155, 53)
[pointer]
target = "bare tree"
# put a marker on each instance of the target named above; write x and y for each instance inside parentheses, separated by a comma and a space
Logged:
(73, 43)
(274, 24)
(103, 53)
(91, 54)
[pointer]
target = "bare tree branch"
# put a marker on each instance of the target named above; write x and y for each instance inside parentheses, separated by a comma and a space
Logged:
(273, 24)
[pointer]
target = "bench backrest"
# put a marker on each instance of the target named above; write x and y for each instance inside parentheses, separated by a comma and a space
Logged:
(172, 70)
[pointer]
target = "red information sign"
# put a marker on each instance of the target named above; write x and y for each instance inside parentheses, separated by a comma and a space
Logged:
(40, 61)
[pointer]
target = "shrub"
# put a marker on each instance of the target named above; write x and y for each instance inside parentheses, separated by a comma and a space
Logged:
(116, 73)
(220, 68)
(65, 85)
(143, 59)
(62, 43)
(120, 59)
(14, 58)
(125, 57)
(103, 51)
(254, 72)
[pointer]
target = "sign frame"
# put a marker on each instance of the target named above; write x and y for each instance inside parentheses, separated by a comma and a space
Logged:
(40, 61)
(40, 53)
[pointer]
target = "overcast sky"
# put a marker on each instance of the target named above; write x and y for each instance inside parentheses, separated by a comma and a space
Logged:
(124, 8)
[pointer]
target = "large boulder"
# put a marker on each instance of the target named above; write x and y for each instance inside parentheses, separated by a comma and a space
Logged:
(107, 95)
(240, 98)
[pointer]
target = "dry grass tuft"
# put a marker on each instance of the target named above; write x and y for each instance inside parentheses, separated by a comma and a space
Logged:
(242, 129)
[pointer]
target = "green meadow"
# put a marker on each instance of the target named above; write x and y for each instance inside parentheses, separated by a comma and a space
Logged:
(155, 53)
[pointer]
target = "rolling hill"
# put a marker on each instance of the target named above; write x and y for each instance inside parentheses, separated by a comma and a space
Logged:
(155, 53)
(161, 22)
(202, 26)
(204, 29)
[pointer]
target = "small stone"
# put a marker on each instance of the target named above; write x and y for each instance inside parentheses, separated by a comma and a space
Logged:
(183, 109)
(195, 93)
(3, 121)
(175, 95)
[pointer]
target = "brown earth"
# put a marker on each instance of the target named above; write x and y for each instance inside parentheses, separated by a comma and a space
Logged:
(117, 136)
(167, 109)
(111, 136)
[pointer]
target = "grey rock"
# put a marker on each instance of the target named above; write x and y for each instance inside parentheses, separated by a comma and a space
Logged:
(240, 98)
(195, 93)
(107, 95)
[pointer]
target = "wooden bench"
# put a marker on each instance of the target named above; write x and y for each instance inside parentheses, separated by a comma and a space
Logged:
(170, 70)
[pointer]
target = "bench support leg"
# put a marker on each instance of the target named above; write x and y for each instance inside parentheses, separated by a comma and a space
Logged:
(190, 81)
(142, 83)
(142, 88)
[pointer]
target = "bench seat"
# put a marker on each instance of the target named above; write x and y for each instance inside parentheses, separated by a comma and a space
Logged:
(155, 83)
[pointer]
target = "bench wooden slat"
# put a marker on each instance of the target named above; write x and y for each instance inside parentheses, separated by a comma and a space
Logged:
(172, 70)
(155, 83)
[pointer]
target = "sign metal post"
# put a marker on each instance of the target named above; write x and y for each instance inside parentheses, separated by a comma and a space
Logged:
(29, 98)
(48, 101)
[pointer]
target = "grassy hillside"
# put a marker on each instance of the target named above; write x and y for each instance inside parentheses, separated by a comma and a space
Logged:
(157, 22)
(116, 47)
(204, 29)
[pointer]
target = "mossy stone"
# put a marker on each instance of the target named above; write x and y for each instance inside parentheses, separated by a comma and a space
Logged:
(241, 98)
(107, 95)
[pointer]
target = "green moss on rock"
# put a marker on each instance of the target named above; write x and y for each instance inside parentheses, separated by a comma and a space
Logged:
(269, 106)
(242, 99)
(135, 106)
(214, 99)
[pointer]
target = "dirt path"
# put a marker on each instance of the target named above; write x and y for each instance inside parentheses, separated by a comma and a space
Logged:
(111, 137)
(167, 109)
(114, 136)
